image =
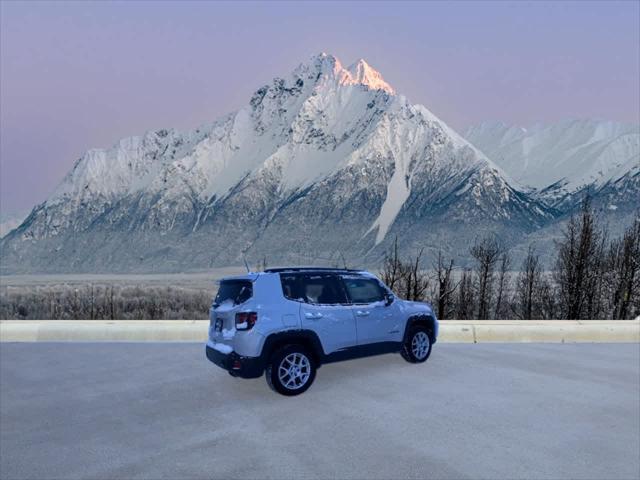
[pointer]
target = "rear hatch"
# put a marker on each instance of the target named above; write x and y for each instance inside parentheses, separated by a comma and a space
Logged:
(231, 295)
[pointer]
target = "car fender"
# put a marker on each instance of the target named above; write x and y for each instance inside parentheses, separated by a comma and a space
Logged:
(308, 338)
(422, 318)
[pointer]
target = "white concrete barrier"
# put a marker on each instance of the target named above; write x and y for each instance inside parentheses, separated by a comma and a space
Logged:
(553, 331)
(103, 330)
(453, 331)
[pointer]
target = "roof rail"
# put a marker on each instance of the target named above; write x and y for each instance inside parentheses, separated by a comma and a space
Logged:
(310, 269)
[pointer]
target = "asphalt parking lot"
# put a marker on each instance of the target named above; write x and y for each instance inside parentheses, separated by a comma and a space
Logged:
(473, 411)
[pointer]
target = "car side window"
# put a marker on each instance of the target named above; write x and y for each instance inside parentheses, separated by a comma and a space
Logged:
(323, 289)
(363, 290)
(313, 288)
(292, 287)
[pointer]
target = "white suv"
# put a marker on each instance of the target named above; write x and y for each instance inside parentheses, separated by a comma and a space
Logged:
(287, 322)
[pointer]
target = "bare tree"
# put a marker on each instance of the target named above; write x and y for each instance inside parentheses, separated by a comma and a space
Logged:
(548, 304)
(486, 252)
(623, 268)
(446, 287)
(75, 305)
(92, 301)
(392, 268)
(595, 285)
(465, 304)
(528, 286)
(578, 264)
(112, 312)
(413, 281)
(404, 277)
(503, 285)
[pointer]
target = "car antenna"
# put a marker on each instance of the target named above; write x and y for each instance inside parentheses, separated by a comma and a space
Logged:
(246, 264)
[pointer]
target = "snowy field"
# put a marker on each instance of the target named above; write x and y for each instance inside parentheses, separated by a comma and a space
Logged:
(200, 280)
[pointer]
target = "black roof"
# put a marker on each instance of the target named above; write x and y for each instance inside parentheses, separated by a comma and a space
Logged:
(311, 269)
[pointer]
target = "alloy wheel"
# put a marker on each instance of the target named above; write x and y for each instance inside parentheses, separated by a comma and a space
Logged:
(420, 345)
(294, 371)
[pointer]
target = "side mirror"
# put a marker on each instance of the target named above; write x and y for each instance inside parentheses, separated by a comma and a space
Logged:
(389, 298)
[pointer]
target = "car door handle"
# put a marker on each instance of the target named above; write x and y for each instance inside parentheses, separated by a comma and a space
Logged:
(362, 313)
(313, 316)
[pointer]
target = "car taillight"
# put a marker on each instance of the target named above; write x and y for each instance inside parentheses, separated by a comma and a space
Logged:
(246, 320)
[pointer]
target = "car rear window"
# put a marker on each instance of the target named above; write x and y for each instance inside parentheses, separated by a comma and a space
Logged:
(320, 288)
(238, 291)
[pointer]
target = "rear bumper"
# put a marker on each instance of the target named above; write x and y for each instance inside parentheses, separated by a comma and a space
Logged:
(236, 365)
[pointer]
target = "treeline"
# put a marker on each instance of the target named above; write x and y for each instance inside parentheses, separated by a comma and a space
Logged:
(103, 302)
(592, 277)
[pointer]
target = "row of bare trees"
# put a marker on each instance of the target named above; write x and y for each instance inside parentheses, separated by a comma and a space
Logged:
(592, 277)
(103, 302)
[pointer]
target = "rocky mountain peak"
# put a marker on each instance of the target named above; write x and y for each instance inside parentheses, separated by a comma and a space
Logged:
(363, 73)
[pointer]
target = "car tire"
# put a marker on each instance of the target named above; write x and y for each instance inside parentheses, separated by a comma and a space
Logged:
(417, 345)
(291, 370)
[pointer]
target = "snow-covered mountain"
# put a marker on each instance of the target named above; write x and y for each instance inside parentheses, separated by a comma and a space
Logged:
(9, 221)
(328, 161)
(562, 161)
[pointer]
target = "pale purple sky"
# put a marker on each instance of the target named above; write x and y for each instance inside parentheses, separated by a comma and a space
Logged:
(79, 75)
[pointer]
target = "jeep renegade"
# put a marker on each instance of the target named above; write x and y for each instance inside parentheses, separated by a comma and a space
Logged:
(287, 322)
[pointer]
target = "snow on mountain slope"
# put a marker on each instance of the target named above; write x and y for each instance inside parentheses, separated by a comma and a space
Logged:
(325, 159)
(569, 155)
(318, 103)
(9, 221)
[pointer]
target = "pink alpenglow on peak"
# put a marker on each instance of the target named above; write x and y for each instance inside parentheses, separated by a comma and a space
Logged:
(360, 73)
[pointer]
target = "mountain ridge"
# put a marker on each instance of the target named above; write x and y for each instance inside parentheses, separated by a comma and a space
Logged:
(563, 161)
(326, 161)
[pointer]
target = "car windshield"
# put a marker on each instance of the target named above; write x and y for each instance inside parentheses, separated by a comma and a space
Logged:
(237, 291)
